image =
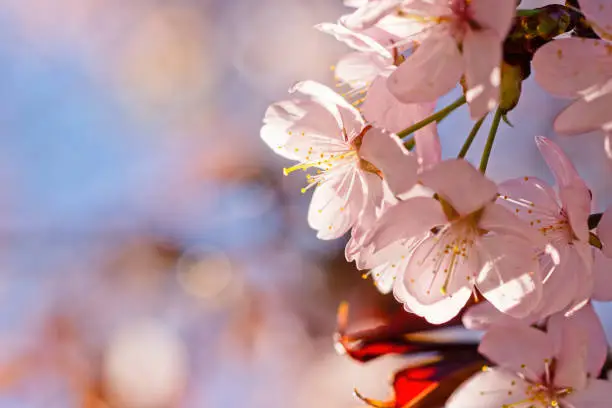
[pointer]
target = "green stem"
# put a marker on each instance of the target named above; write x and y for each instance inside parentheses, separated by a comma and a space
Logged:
(436, 117)
(470, 138)
(484, 161)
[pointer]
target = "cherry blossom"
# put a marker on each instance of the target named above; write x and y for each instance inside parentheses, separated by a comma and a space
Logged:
(599, 15)
(556, 368)
(365, 72)
(325, 133)
(581, 69)
(483, 315)
(456, 38)
(561, 216)
(437, 232)
(447, 246)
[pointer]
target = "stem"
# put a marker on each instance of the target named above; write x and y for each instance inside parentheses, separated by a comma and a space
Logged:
(436, 117)
(470, 138)
(484, 161)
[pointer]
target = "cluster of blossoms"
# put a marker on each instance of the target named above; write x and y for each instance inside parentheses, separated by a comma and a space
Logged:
(437, 233)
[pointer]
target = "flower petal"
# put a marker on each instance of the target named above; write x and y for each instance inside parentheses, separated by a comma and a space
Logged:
(336, 205)
(346, 115)
(407, 219)
(599, 14)
(509, 277)
(604, 232)
(385, 110)
(428, 147)
(496, 15)
(434, 273)
(494, 387)
(369, 13)
(482, 53)
(587, 114)
(561, 166)
(387, 152)
(484, 315)
(496, 218)
(385, 274)
(373, 195)
(292, 127)
(357, 40)
(561, 70)
(561, 282)
(595, 395)
(582, 346)
(460, 184)
(521, 349)
(576, 201)
(445, 309)
(529, 197)
(430, 72)
(360, 69)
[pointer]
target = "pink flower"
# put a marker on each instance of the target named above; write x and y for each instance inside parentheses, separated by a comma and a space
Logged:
(537, 369)
(562, 217)
(445, 247)
(325, 133)
(383, 15)
(457, 37)
(483, 315)
(366, 71)
(599, 16)
(582, 69)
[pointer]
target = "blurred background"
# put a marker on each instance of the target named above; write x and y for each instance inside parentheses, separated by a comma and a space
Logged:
(152, 255)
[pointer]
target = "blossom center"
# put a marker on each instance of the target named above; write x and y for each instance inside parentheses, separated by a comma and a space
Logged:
(543, 391)
(332, 164)
(559, 229)
(453, 246)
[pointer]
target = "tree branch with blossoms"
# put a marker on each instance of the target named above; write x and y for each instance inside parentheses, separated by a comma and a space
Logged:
(519, 259)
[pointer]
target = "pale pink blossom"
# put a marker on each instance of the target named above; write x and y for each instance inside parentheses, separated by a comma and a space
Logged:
(561, 216)
(456, 38)
(483, 315)
(383, 15)
(581, 69)
(556, 368)
(384, 264)
(448, 245)
(323, 132)
(599, 16)
(365, 72)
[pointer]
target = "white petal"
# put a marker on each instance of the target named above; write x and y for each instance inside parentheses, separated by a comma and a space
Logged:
(408, 219)
(482, 52)
(461, 185)
(336, 206)
(430, 72)
(439, 312)
(520, 349)
(596, 395)
(346, 115)
(491, 388)
(434, 272)
(582, 346)
(387, 152)
(509, 277)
